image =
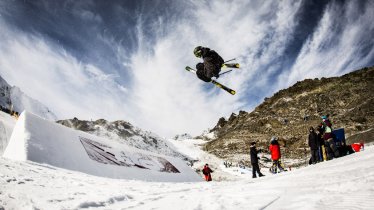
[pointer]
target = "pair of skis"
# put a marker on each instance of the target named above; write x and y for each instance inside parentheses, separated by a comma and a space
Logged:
(217, 84)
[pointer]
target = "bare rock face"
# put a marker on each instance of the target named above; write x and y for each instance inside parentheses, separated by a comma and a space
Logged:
(290, 112)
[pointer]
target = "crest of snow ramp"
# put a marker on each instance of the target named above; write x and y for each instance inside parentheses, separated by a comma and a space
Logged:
(39, 140)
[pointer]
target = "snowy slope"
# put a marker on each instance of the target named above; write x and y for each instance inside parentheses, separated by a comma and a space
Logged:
(344, 183)
(47, 142)
(14, 98)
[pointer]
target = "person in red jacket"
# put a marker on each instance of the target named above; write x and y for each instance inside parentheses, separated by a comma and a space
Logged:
(275, 155)
(206, 172)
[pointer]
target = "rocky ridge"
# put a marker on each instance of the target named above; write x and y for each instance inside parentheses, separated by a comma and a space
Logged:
(290, 112)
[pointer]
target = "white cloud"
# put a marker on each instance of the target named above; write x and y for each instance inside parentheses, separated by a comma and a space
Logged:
(159, 94)
(171, 100)
(334, 47)
(49, 74)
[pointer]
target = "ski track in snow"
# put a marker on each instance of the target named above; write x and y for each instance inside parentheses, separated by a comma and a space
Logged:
(344, 183)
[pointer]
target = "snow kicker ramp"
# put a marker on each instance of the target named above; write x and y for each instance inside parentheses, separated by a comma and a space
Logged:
(47, 142)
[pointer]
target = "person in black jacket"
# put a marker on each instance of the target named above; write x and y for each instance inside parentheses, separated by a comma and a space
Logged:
(254, 160)
(211, 66)
(313, 144)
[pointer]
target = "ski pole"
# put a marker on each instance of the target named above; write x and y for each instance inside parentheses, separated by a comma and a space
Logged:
(230, 60)
(225, 72)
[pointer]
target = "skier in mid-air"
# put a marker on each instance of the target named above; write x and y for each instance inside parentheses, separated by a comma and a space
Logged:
(211, 66)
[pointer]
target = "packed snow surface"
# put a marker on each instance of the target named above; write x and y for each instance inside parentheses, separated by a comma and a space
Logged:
(343, 183)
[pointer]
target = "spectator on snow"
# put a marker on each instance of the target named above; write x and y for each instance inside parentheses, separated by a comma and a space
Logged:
(254, 160)
(321, 143)
(207, 173)
(275, 155)
(328, 137)
(313, 144)
(346, 149)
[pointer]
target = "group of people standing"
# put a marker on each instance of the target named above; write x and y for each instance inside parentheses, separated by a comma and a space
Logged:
(323, 145)
(275, 152)
(321, 141)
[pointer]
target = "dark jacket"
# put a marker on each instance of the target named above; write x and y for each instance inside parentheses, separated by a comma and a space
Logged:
(211, 66)
(320, 139)
(313, 141)
(253, 152)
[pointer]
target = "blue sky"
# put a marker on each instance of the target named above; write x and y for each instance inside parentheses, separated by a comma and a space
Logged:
(125, 59)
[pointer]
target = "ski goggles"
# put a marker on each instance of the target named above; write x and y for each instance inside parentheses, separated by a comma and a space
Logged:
(198, 53)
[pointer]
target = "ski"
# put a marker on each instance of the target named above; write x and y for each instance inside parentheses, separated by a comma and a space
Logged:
(217, 84)
(231, 65)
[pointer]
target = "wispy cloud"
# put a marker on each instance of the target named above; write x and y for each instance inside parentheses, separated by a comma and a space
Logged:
(51, 75)
(126, 60)
(165, 91)
(341, 43)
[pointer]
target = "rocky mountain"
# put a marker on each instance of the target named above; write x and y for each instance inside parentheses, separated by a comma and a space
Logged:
(290, 112)
(181, 137)
(125, 133)
(12, 98)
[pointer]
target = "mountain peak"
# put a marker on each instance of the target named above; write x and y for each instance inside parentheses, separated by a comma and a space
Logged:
(12, 98)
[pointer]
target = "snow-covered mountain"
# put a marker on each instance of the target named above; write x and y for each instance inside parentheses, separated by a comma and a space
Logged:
(124, 132)
(12, 98)
(183, 136)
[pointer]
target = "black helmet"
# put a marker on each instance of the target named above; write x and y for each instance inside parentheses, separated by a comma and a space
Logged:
(197, 51)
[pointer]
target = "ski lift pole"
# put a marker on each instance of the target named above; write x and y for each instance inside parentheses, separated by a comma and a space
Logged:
(230, 60)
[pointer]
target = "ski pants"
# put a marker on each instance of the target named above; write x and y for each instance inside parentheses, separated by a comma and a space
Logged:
(208, 177)
(331, 144)
(320, 155)
(314, 155)
(255, 168)
(277, 164)
(211, 69)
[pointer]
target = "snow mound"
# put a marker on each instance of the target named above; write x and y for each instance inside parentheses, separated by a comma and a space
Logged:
(39, 140)
(7, 123)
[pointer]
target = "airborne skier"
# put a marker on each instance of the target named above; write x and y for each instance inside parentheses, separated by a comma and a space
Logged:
(211, 66)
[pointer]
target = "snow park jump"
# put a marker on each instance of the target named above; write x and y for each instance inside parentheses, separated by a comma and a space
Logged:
(35, 139)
